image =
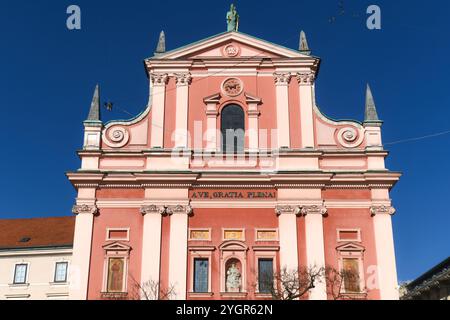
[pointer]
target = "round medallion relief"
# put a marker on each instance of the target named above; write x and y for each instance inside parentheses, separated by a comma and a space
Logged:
(232, 87)
(231, 51)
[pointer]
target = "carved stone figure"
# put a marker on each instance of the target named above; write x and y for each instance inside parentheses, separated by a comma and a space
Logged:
(233, 19)
(233, 279)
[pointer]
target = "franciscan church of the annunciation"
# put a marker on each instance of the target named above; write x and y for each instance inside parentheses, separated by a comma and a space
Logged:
(231, 181)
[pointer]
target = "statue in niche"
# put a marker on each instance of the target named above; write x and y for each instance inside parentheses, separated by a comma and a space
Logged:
(234, 279)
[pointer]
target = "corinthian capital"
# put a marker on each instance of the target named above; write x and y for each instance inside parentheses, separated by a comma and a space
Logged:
(85, 209)
(375, 210)
(282, 78)
(287, 209)
(153, 209)
(307, 210)
(183, 79)
(159, 79)
(306, 78)
(179, 210)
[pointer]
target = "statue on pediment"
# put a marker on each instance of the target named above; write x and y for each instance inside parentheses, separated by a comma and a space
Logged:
(233, 19)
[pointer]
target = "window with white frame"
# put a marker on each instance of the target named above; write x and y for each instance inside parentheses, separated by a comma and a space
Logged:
(61, 272)
(201, 275)
(20, 273)
(265, 275)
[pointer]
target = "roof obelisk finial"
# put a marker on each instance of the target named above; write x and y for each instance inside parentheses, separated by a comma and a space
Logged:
(94, 112)
(371, 115)
(303, 46)
(233, 19)
(161, 48)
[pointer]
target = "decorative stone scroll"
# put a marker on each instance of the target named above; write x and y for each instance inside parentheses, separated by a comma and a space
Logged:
(350, 137)
(116, 137)
(282, 78)
(85, 209)
(375, 210)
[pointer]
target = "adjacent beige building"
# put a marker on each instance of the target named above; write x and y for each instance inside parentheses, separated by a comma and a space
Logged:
(35, 256)
(432, 285)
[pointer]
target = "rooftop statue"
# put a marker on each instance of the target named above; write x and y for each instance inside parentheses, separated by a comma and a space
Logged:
(233, 19)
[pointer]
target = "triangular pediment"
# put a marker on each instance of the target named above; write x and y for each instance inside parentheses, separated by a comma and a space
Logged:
(351, 246)
(116, 246)
(231, 45)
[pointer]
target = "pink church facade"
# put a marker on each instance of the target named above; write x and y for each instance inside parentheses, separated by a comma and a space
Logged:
(231, 169)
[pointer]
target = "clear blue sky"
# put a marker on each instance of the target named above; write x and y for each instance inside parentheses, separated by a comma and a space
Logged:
(48, 73)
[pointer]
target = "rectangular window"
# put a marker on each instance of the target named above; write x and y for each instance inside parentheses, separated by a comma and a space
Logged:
(116, 273)
(351, 275)
(201, 275)
(20, 273)
(61, 272)
(265, 277)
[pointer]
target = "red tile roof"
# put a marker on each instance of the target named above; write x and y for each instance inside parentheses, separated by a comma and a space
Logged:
(41, 232)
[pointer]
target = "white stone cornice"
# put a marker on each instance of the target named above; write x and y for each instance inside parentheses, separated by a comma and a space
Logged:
(85, 209)
(153, 209)
(159, 79)
(282, 78)
(376, 210)
(287, 209)
(306, 78)
(314, 209)
(183, 79)
(179, 209)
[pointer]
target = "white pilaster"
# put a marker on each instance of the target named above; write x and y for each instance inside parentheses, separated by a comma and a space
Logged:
(85, 209)
(181, 124)
(178, 249)
(306, 91)
(287, 224)
(151, 243)
(158, 98)
(282, 81)
(212, 138)
(385, 252)
(315, 248)
(253, 122)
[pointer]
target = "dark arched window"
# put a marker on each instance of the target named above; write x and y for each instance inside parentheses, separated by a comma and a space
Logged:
(233, 129)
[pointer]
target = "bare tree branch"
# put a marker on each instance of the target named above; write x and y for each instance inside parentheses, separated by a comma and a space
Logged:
(151, 290)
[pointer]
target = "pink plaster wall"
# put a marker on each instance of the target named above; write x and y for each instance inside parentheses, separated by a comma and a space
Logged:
(351, 219)
(115, 218)
(216, 219)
